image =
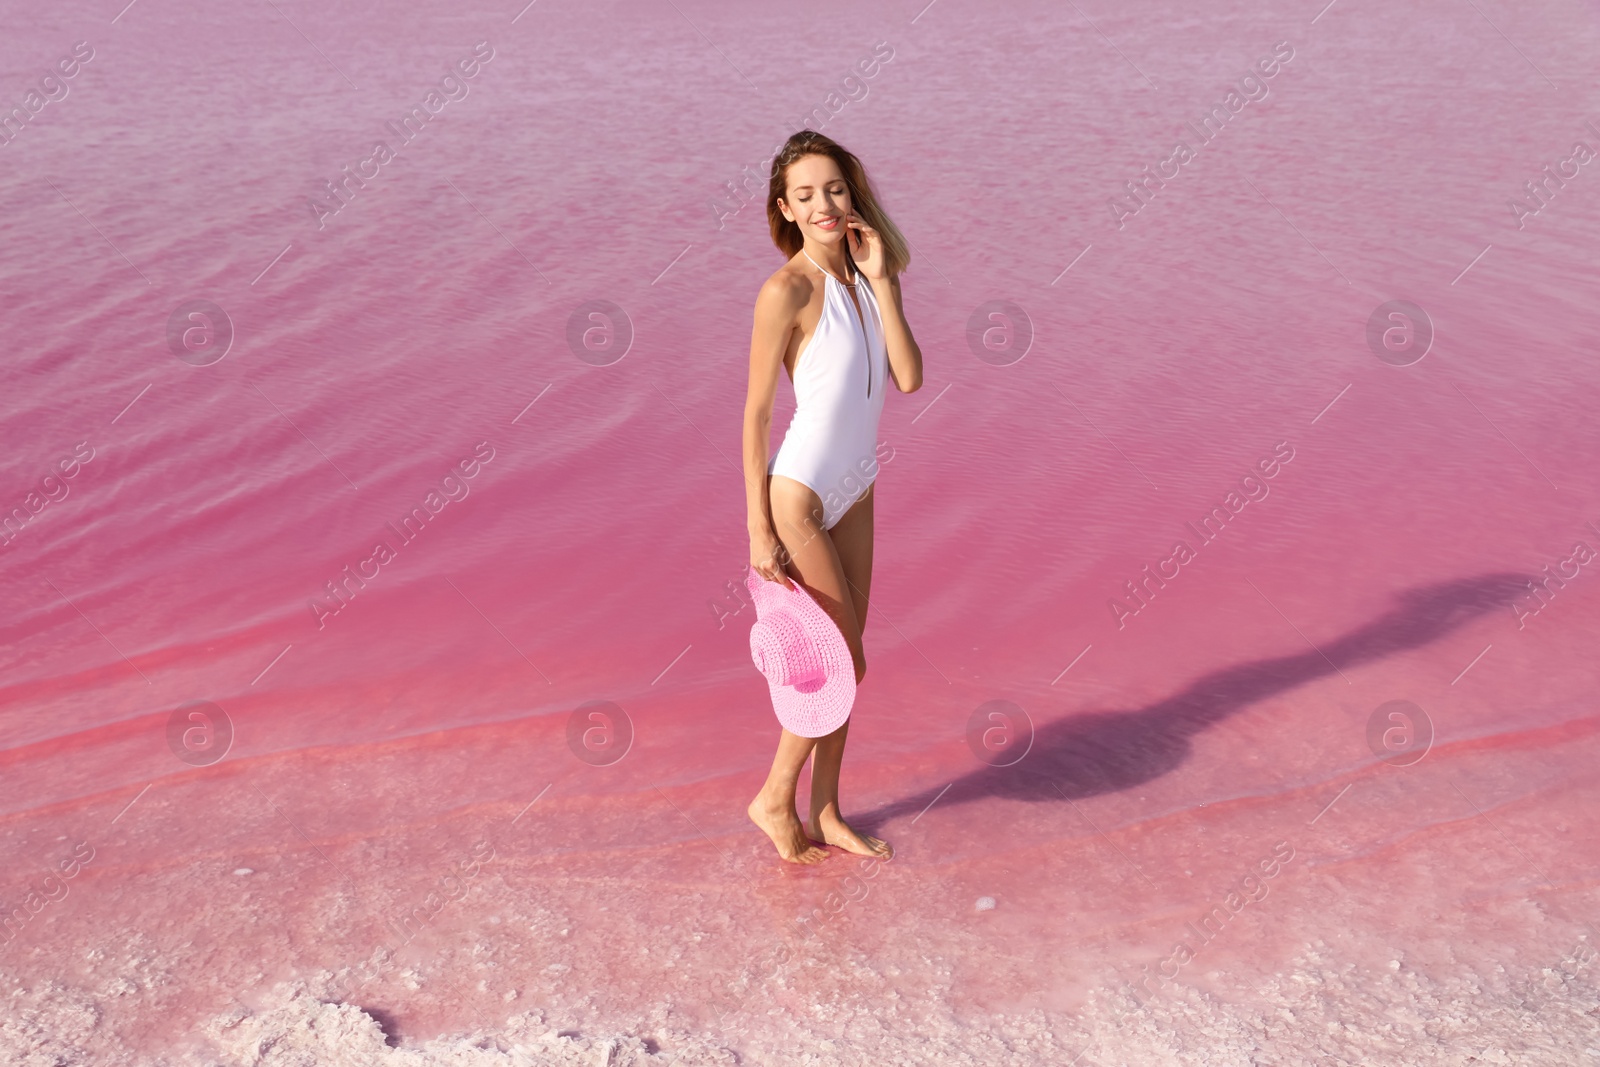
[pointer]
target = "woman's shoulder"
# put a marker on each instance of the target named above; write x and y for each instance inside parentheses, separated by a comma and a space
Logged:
(787, 287)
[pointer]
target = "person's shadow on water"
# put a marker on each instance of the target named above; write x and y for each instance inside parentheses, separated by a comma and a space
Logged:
(1106, 751)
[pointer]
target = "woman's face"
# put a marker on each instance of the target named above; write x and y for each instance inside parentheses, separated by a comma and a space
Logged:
(817, 198)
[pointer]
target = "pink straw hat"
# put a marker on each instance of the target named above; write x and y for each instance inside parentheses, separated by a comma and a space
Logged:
(803, 656)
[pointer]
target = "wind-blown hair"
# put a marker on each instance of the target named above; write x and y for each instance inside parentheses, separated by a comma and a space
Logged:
(786, 234)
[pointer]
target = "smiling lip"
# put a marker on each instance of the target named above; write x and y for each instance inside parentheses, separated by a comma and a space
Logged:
(830, 223)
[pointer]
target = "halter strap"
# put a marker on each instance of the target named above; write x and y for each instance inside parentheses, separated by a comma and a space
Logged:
(819, 266)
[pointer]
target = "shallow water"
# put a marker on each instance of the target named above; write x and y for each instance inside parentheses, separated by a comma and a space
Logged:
(383, 845)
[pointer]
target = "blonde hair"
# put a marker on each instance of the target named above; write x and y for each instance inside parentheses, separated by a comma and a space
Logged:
(786, 234)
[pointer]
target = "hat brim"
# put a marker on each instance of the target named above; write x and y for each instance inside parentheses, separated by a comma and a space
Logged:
(824, 708)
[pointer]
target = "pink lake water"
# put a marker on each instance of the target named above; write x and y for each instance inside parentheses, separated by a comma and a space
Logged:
(1199, 836)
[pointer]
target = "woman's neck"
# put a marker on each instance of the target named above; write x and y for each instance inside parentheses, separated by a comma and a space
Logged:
(836, 261)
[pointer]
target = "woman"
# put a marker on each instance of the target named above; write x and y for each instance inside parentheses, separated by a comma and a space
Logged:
(831, 316)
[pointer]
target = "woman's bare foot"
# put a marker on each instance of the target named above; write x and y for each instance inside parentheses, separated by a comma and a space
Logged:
(780, 823)
(830, 827)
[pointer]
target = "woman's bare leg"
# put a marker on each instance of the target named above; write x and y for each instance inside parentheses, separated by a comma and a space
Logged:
(797, 517)
(773, 807)
(826, 824)
(851, 537)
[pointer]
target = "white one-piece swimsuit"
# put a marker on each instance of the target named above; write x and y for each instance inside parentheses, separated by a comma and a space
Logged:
(839, 376)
